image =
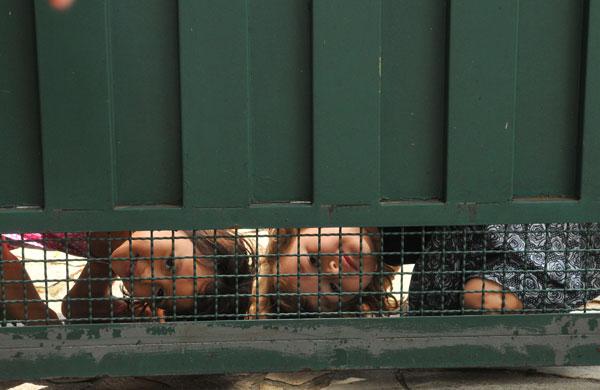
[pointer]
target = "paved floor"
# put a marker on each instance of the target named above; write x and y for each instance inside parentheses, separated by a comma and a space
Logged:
(579, 378)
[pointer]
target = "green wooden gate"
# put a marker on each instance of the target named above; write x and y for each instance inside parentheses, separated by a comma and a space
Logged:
(255, 113)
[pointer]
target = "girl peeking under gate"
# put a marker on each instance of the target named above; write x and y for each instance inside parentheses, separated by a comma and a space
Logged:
(323, 272)
(168, 275)
(516, 268)
(204, 274)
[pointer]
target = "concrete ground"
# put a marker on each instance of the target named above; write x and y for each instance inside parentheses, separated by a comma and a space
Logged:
(579, 378)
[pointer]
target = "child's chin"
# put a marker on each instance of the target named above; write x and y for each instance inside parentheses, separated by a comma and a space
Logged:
(120, 307)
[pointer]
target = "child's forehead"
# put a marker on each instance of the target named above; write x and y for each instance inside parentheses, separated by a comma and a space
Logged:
(317, 236)
(160, 234)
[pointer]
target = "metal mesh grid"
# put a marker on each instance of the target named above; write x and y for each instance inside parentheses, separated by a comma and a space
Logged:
(298, 273)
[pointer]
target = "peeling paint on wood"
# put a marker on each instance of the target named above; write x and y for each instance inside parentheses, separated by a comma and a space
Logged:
(287, 345)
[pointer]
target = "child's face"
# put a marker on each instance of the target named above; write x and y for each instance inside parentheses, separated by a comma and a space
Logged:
(169, 254)
(339, 260)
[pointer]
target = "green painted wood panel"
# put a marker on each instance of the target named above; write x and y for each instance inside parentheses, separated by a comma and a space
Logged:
(280, 54)
(481, 104)
(590, 158)
(319, 344)
(347, 91)
(76, 106)
(214, 102)
(548, 125)
(145, 77)
(413, 99)
(265, 103)
(415, 213)
(21, 156)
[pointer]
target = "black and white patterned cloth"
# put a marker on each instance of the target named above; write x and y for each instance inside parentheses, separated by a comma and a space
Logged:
(550, 267)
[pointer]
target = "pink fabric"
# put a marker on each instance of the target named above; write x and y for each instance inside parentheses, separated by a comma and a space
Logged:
(72, 243)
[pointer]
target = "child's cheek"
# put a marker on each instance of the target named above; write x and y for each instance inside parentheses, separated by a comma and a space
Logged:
(61, 5)
(366, 280)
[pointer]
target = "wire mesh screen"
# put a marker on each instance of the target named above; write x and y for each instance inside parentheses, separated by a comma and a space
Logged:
(249, 274)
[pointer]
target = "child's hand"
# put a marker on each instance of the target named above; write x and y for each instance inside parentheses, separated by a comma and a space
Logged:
(61, 5)
(140, 311)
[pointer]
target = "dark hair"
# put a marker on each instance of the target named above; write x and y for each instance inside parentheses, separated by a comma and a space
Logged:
(227, 295)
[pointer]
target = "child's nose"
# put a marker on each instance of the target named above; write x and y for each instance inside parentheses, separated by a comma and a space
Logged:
(144, 270)
(142, 286)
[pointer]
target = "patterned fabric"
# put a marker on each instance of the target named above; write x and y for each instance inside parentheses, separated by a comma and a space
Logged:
(72, 243)
(543, 264)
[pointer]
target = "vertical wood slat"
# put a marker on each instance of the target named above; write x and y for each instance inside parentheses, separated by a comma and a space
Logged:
(347, 91)
(590, 158)
(281, 100)
(548, 105)
(75, 99)
(214, 102)
(481, 100)
(413, 103)
(146, 102)
(21, 157)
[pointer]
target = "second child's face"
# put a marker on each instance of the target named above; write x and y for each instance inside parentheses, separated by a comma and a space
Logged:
(168, 255)
(344, 264)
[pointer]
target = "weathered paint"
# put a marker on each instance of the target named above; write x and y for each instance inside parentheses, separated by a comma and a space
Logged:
(279, 345)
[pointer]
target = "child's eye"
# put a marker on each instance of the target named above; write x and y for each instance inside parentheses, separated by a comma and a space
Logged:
(170, 263)
(334, 287)
(160, 292)
(313, 260)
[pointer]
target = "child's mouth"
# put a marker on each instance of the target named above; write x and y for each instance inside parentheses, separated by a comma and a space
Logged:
(349, 263)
